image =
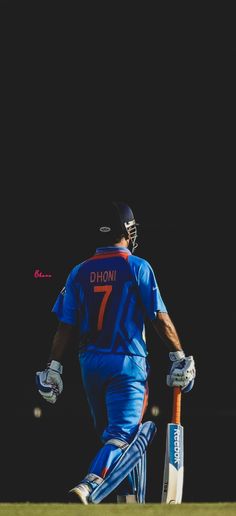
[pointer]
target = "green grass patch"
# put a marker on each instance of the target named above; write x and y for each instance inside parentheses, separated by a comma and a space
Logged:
(53, 509)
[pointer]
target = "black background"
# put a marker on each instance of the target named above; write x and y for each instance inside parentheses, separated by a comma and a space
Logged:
(140, 111)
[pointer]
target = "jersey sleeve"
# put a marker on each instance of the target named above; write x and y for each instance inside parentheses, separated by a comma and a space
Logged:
(67, 304)
(149, 291)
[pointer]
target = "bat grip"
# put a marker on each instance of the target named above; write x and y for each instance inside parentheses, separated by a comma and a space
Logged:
(176, 414)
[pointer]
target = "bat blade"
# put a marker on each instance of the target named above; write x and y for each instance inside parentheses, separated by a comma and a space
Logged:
(173, 478)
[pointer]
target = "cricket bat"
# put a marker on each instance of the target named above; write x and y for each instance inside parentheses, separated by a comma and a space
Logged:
(173, 478)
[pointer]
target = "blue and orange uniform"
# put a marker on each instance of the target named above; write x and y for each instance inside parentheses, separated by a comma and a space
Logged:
(108, 297)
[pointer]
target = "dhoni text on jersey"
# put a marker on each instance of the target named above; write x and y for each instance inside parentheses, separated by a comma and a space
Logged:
(102, 276)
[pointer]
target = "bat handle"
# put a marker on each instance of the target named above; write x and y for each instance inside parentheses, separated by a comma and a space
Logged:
(176, 414)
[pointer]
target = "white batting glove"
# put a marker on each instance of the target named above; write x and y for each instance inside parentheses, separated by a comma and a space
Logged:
(49, 382)
(182, 372)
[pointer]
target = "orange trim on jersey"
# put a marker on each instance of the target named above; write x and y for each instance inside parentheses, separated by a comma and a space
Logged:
(145, 403)
(104, 472)
(110, 255)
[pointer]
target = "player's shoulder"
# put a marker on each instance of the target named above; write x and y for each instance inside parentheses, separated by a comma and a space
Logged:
(73, 274)
(138, 262)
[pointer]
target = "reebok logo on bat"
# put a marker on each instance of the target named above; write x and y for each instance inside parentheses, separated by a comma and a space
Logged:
(176, 446)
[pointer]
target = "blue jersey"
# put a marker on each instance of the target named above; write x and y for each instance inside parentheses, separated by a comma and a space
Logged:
(108, 297)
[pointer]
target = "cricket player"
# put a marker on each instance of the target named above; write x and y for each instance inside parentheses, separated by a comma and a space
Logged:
(108, 298)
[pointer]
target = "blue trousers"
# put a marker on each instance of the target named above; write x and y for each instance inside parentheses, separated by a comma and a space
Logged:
(117, 392)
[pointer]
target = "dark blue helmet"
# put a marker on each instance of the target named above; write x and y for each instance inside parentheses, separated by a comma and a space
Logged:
(118, 221)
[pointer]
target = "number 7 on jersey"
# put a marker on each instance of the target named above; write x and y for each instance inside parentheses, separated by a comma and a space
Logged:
(107, 292)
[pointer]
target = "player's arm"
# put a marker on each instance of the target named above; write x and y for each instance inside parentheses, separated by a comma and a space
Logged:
(182, 371)
(155, 307)
(49, 382)
(165, 328)
(61, 341)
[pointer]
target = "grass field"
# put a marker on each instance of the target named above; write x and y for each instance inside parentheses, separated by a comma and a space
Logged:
(53, 509)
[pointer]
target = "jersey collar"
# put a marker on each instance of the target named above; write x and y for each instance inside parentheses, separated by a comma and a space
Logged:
(112, 249)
